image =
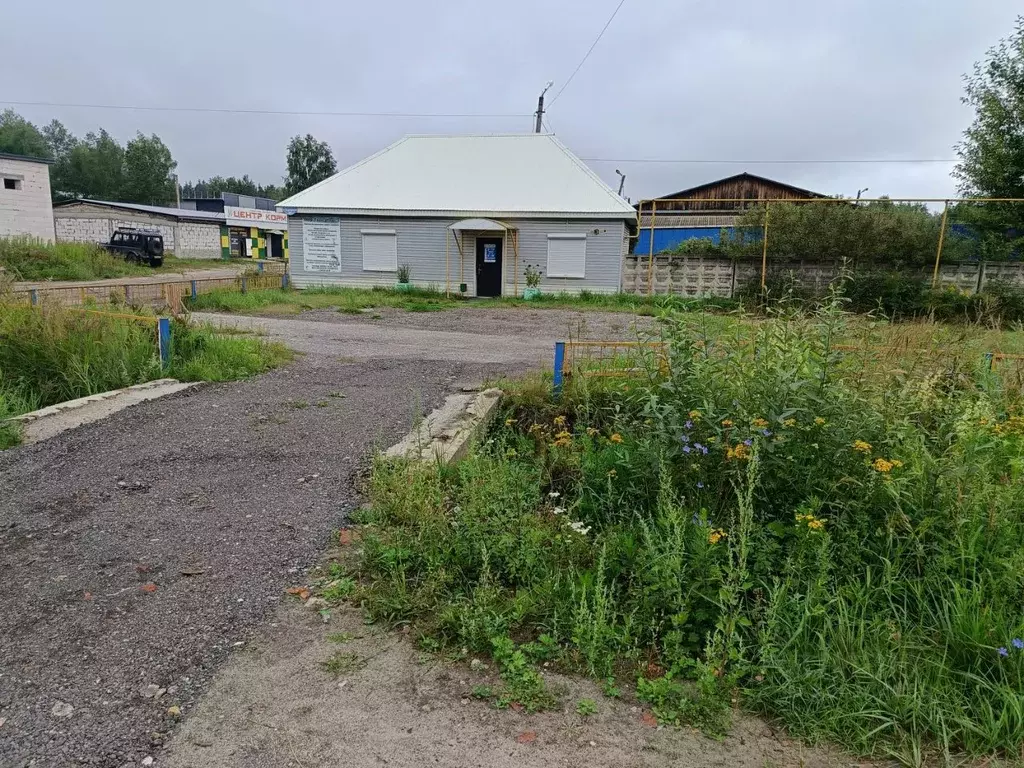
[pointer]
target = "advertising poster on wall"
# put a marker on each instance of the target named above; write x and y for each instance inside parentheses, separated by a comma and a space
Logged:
(321, 244)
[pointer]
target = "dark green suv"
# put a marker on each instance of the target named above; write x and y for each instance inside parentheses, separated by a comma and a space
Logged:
(138, 246)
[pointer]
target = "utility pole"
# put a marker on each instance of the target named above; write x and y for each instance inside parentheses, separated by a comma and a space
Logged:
(622, 181)
(540, 106)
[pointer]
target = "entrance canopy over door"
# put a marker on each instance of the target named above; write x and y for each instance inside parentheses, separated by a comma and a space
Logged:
(478, 225)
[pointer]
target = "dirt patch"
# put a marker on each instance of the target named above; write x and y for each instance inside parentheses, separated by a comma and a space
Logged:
(512, 321)
(275, 704)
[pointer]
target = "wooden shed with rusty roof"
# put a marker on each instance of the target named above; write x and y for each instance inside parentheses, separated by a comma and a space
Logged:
(705, 210)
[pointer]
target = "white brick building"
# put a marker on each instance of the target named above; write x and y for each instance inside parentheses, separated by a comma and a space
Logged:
(25, 206)
(188, 234)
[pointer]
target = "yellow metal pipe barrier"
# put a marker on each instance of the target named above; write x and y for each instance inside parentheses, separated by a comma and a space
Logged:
(942, 238)
(650, 263)
(764, 250)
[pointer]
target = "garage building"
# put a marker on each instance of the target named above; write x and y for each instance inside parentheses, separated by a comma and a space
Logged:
(187, 234)
(463, 213)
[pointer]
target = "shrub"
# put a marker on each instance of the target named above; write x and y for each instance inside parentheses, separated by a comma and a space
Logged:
(778, 515)
(28, 259)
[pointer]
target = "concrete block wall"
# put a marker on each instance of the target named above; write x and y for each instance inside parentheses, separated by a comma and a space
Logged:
(720, 277)
(26, 210)
(198, 241)
(83, 230)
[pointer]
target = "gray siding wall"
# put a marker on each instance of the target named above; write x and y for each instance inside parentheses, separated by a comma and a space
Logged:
(421, 245)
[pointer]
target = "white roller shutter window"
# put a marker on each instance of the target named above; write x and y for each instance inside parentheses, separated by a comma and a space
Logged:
(567, 255)
(380, 250)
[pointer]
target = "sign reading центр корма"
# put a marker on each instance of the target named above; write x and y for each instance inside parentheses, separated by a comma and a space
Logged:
(321, 244)
(253, 217)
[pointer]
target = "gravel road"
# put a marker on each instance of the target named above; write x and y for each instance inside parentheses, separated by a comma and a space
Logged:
(141, 552)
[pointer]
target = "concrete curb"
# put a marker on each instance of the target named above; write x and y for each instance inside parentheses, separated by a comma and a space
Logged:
(54, 419)
(445, 435)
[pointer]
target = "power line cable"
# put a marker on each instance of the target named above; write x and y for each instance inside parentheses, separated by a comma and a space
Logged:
(589, 50)
(704, 161)
(225, 110)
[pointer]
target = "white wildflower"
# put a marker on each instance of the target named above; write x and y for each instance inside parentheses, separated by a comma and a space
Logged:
(579, 527)
(558, 511)
(554, 495)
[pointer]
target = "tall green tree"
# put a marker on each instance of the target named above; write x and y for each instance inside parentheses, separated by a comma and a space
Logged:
(215, 185)
(309, 162)
(148, 171)
(96, 168)
(61, 143)
(992, 150)
(20, 137)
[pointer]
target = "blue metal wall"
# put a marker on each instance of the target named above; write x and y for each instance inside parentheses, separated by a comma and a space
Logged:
(667, 239)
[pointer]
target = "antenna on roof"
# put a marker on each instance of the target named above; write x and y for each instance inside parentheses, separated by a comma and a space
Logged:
(540, 106)
(622, 181)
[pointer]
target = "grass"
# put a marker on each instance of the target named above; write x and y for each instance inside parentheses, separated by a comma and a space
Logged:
(51, 354)
(356, 300)
(831, 537)
(24, 259)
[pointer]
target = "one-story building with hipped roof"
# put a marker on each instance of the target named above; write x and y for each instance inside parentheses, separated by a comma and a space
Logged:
(463, 213)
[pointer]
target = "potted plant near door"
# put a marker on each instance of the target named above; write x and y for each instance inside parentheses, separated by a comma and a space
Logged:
(532, 291)
(403, 283)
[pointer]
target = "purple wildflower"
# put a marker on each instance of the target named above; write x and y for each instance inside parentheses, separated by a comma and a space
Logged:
(688, 425)
(766, 433)
(700, 484)
(702, 448)
(748, 441)
(685, 438)
(687, 449)
(1004, 652)
(1017, 643)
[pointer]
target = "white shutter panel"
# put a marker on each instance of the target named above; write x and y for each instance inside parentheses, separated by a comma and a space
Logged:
(567, 255)
(380, 250)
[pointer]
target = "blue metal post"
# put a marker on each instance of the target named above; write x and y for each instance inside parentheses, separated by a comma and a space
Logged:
(34, 295)
(559, 363)
(195, 292)
(991, 360)
(164, 338)
(259, 267)
(284, 280)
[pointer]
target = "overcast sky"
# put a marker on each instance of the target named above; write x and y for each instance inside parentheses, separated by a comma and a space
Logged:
(671, 79)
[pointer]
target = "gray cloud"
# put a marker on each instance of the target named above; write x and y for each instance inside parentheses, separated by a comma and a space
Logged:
(683, 79)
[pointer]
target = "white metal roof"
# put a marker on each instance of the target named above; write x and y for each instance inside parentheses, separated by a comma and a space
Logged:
(487, 176)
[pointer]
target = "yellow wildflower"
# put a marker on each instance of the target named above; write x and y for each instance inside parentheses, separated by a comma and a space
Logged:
(819, 421)
(591, 431)
(535, 428)
(616, 437)
(816, 524)
(789, 423)
(717, 535)
(759, 423)
(881, 465)
(562, 442)
(726, 422)
(509, 422)
(559, 421)
(896, 463)
(860, 445)
(694, 415)
(739, 451)
(612, 473)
